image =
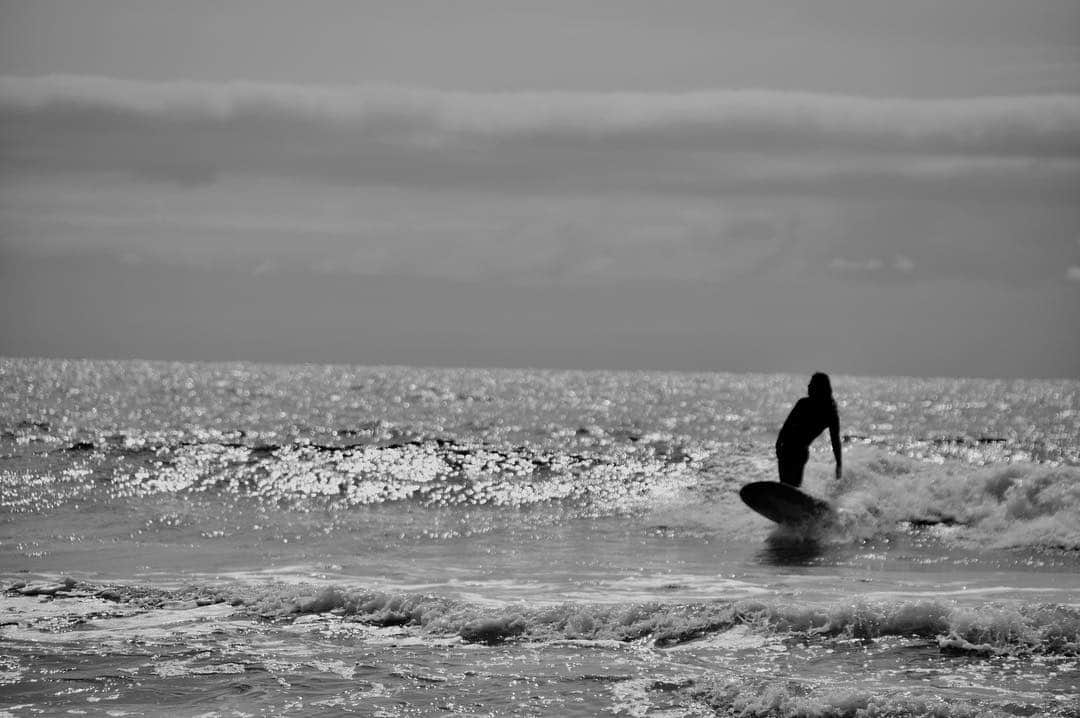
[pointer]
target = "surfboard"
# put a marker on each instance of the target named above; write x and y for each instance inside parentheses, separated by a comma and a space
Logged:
(784, 504)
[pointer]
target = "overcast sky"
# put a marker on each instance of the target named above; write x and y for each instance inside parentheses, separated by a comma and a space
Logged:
(854, 186)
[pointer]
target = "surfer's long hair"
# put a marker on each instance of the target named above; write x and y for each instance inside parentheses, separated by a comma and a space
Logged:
(820, 388)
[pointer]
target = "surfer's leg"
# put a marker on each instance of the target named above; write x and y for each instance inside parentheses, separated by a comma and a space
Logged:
(790, 464)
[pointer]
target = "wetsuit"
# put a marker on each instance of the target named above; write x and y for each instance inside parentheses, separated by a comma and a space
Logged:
(807, 420)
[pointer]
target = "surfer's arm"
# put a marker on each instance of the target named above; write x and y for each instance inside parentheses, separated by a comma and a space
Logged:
(789, 431)
(834, 436)
(782, 434)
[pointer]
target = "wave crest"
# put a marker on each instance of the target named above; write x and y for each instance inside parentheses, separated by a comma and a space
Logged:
(1005, 628)
(1011, 506)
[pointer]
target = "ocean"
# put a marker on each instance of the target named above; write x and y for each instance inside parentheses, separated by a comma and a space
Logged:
(252, 540)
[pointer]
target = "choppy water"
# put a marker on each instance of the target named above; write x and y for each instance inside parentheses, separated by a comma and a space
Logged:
(237, 539)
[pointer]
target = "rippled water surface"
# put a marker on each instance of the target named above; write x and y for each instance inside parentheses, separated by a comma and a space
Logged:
(234, 539)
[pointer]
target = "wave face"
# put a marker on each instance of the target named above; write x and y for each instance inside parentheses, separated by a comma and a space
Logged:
(385, 540)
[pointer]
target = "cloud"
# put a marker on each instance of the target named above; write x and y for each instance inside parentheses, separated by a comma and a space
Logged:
(900, 264)
(1073, 273)
(842, 264)
(903, 264)
(701, 143)
(1030, 125)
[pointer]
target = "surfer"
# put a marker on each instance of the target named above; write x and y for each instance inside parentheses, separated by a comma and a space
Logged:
(808, 418)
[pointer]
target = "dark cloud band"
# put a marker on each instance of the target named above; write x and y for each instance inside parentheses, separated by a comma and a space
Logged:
(755, 141)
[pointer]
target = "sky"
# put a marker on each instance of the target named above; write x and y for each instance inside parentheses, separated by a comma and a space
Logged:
(852, 186)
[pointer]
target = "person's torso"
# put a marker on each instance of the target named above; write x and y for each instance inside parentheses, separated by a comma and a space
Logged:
(806, 422)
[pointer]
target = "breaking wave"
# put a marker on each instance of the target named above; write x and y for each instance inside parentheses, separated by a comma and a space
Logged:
(430, 473)
(985, 630)
(1002, 506)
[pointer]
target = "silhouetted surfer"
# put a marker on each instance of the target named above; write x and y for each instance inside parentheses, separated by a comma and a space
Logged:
(810, 416)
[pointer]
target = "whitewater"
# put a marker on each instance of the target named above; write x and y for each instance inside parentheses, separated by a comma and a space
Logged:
(240, 539)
